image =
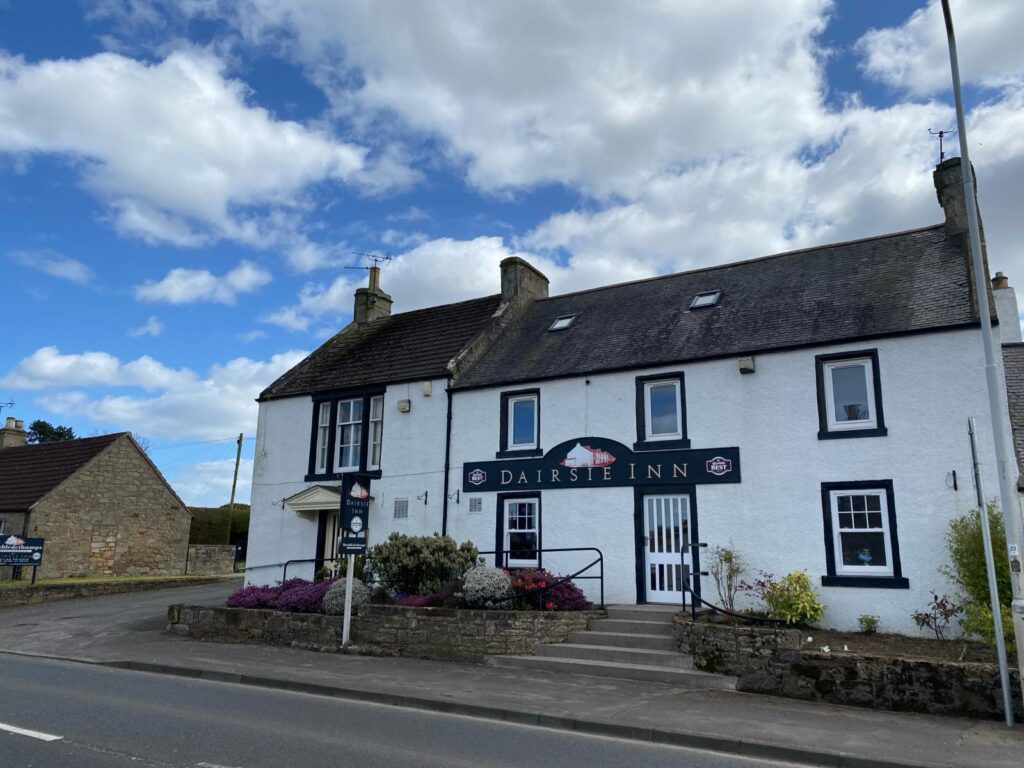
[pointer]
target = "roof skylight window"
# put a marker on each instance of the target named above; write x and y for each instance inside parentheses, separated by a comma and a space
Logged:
(705, 300)
(562, 323)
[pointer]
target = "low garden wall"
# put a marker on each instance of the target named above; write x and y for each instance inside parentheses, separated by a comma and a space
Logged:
(22, 593)
(210, 559)
(771, 661)
(428, 633)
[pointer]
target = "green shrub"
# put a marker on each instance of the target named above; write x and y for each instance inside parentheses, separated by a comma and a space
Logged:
(794, 599)
(977, 620)
(210, 525)
(967, 570)
(868, 624)
(727, 566)
(419, 565)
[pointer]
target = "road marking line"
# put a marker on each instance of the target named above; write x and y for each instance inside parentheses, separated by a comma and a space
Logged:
(212, 765)
(33, 734)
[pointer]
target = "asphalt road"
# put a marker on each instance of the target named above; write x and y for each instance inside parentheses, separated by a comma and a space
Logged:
(111, 718)
(91, 628)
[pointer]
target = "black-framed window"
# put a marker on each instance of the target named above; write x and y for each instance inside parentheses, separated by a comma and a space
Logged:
(520, 424)
(347, 434)
(518, 531)
(661, 412)
(849, 395)
(862, 546)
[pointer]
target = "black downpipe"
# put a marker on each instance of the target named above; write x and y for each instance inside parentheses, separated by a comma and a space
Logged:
(447, 460)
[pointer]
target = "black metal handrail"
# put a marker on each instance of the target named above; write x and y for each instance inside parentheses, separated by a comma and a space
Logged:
(692, 574)
(599, 562)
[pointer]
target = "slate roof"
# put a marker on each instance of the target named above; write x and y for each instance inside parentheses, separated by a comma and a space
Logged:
(904, 282)
(29, 472)
(403, 347)
(1013, 366)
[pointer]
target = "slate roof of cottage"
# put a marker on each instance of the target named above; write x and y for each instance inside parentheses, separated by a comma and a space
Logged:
(29, 472)
(1013, 366)
(898, 283)
(403, 347)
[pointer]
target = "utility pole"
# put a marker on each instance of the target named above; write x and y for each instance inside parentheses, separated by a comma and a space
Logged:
(234, 480)
(1009, 502)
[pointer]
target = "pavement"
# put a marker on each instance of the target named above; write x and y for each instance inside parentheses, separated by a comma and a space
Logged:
(722, 721)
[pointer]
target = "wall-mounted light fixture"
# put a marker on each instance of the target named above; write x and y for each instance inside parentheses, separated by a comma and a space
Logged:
(423, 497)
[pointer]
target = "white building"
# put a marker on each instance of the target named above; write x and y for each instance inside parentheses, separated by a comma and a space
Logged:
(807, 408)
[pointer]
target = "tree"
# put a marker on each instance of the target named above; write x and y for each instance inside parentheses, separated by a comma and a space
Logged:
(40, 431)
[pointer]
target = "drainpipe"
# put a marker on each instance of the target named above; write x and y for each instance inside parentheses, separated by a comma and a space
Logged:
(447, 460)
(1009, 503)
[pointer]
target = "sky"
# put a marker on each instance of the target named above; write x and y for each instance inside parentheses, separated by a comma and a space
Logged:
(187, 188)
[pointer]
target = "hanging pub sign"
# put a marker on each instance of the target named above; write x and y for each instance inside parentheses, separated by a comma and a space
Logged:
(355, 514)
(596, 462)
(17, 550)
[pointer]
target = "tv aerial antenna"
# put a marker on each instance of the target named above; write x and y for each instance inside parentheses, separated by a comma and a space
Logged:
(8, 404)
(376, 259)
(941, 135)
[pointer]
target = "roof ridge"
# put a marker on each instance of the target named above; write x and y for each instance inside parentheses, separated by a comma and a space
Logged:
(742, 262)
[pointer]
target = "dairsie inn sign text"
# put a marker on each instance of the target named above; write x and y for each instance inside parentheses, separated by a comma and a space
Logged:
(594, 462)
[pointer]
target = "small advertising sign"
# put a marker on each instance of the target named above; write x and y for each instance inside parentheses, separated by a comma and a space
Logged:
(355, 514)
(17, 550)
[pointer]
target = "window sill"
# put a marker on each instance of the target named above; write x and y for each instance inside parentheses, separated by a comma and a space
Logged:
(373, 474)
(866, 582)
(841, 434)
(661, 445)
(520, 453)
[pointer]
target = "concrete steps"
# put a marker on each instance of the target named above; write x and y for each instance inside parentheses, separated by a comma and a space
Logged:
(635, 642)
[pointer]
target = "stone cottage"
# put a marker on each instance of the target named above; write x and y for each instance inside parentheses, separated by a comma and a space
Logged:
(101, 505)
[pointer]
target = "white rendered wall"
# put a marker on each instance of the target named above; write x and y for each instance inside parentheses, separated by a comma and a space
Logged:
(930, 385)
(412, 462)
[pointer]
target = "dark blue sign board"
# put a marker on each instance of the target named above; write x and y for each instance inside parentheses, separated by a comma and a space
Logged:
(355, 514)
(597, 462)
(20, 551)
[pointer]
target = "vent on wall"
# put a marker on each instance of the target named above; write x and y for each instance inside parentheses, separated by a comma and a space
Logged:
(401, 508)
(476, 504)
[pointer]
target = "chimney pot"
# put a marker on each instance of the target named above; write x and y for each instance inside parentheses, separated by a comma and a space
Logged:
(12, 435)
(1000, 281)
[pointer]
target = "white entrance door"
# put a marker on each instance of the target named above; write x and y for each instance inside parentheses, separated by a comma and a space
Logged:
(666, 549)
(330, 536)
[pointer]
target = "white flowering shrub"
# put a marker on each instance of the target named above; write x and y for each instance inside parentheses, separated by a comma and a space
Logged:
(334, 600)
(482, 585)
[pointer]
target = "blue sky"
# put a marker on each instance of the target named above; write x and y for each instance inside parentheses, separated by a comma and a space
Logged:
(184, 185)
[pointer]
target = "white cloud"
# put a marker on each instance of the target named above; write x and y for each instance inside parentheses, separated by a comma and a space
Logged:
(435, 272)
(914, 57)
(175, 403)
(600, 97)
(49, 368)
(152, 327)
(250, 336)
(175, 148)
(208, 483)
(187, 286)
(55, 265)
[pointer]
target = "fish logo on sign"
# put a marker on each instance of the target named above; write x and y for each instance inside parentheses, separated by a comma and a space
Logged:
(718, 466)
(477, 477)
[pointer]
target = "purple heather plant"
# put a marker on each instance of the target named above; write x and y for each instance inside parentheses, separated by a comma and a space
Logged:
(305, 598)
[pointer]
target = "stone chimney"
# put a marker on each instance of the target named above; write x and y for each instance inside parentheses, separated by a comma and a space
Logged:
(372, 302)
(949, 187)
(13, 433)
(521, 281)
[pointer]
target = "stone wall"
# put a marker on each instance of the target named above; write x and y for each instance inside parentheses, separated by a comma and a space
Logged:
(210, 559)
(457, 634)
(768, 660)
(19, 594)
(114, 517)
(426, 633)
